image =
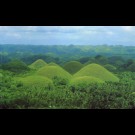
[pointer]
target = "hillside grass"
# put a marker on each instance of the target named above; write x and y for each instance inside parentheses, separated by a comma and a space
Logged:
(73, 66)
(38, 64)
(52, 64)
(56, 73)
(35, 81)
(97, 71)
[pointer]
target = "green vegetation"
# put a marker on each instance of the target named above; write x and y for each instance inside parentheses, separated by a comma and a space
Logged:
(97, 71)
(55, 73)
(36, 81)
(73, 66)
(110, 67)
(107, 84)
(82, 83)
(51, 71)
(52, 64)
(16, 66)
(38, 64)
(1, 75)
(96, 96)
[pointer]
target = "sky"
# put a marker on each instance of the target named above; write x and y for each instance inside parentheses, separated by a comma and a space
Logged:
(67, 35)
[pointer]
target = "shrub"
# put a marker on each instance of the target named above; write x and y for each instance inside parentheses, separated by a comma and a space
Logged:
(82, 83)
(16, 66)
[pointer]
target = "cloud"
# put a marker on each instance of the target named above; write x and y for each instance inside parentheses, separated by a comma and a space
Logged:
(13, 34)
(110, 33)
(67, 35)
(127, 28)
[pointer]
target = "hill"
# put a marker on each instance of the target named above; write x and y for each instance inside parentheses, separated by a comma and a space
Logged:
(97, 71)
(38, 64)
(36, 81)
(55, 73)
(73, 66)
(52, 64)
(16, 66)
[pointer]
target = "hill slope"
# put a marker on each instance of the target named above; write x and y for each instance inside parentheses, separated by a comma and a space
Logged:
(97, 71)
(73, 66)
(36, 81)
(54, 72)
(38, 64)
(52, 64)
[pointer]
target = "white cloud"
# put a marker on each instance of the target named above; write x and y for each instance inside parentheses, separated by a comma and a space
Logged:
(127, 28)
(67, 34)
(110, 33)
(13, 34)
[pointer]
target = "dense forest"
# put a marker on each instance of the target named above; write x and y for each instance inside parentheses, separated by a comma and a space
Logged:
(67, 77)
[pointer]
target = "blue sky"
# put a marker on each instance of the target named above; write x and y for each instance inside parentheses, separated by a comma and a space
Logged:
(66, 35)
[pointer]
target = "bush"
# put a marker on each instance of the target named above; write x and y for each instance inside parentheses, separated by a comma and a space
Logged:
(16, 66)
(82, 83)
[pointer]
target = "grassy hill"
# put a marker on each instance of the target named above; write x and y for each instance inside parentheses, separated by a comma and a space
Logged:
(82, 83)
(52, 64)
(97, 71)
(73, 66)
(38, 64)
(36, 81)
(54, 72)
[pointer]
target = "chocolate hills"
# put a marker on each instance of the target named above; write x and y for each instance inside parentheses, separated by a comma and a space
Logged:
(97, 71)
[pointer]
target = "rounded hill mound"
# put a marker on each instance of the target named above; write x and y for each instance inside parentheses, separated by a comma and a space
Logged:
(54, 72)
(82, 83)
(38, 64)
(97, 71)
(73, 66)
(36, 81)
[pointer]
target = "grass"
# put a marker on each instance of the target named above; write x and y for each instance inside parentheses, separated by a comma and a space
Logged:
(1, 75)
(97, 71)
(52, 64)
(35, 81)
(54, 71)
(38, 64)
(82, 83)
(73, 66)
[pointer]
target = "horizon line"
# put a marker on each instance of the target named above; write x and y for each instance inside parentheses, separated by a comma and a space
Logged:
(68, 44)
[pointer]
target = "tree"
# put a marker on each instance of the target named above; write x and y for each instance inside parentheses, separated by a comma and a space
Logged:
(15, 66)
(131, 67)
(101, 59)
